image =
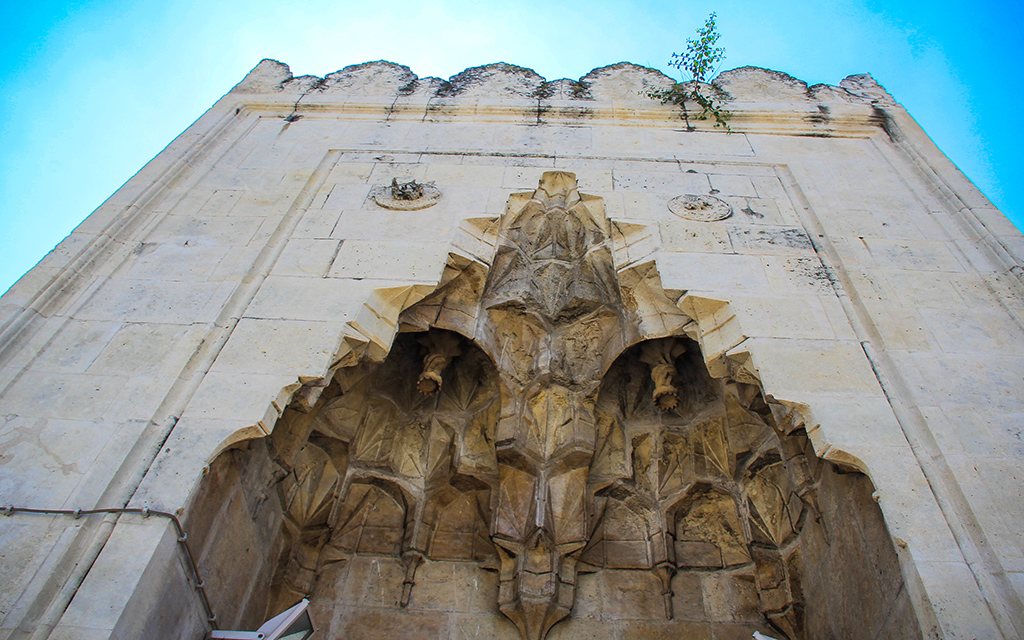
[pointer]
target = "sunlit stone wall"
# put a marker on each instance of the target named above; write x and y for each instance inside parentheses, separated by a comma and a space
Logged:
(824, 254)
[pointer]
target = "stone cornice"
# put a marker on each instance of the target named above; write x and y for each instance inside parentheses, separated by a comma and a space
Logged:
(761, 101)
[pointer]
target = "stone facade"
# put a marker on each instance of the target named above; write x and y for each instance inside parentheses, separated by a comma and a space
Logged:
(502, 357)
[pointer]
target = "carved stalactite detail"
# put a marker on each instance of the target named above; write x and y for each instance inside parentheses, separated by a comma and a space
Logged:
(388, 470)
(513, 425)
(709, 484)
(551, 304)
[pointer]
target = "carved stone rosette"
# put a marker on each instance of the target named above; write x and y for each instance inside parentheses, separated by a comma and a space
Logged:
(700, 208)
(405, 196)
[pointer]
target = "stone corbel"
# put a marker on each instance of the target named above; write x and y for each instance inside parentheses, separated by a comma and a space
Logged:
(666, 572)
(661, 355)
(412, 560)
(441, 349)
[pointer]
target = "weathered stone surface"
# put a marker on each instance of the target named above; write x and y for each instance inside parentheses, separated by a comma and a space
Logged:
(550, 404)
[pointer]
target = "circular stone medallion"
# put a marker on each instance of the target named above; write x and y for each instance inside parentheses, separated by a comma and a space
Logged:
(384, 197)
(700, 208)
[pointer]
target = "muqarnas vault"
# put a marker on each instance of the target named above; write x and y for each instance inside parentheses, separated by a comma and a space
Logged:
(502, 357)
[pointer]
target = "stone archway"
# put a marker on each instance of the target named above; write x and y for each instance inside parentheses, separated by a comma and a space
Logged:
(543, 428)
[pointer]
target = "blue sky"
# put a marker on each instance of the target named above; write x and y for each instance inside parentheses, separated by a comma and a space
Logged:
(90, 91)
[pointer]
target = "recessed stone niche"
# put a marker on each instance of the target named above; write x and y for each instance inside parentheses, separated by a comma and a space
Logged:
(526, 463)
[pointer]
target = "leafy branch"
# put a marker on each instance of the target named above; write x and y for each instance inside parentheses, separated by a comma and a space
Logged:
(698, 61)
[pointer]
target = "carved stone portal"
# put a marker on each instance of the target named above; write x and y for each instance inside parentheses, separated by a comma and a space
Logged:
(700, 208)
(521, 421)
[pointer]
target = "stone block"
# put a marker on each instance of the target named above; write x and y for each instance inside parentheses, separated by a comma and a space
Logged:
(175, 259)
(481, 626)
(245, 397)
(589, 596)
(963, 379)
(345, 197)
(376, 581)
(76, 632)
(711, 272)
(435, 588)
(96, 478)
(905, 329)
(317, 222)
(326, 300)
(783, 317)
(200, 233)
(476, 238)
(475, 588)
(399, 226)
(374, 623)
(74, 346)
(172, 479)
(731, 185)
(46, 459)
(573, 629)
(791, 369)
(377, 320)
(464, 175)
(799, 275)
(236, 264)
(953, 591)
(688, 597)
(766, 211)
(638, 207)
(697, 143)
(633, 243)
(730, 597)
(922, 288)
(694, 237)
(130, 300)
(631, 594)
(913, 255)
(853, 422)
(280, 347)
(414, 261)
(69, 396)
(669, 630)
(141, 397)
(149, 349)
(992, 485)
(675, 182)
(218, 203)
(306, 257)
(536, 140)
(110, 584)
(769, 240)
(909, 507)
(974, 331)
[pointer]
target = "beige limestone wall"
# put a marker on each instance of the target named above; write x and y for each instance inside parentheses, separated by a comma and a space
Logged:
(861, 279)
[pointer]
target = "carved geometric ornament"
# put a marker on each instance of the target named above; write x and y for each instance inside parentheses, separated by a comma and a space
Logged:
(700, 208)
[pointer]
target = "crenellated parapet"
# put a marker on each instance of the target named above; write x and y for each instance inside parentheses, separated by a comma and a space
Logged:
(759, 99)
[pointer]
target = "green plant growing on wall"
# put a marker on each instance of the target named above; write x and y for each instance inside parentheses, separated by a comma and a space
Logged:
(698, 62)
